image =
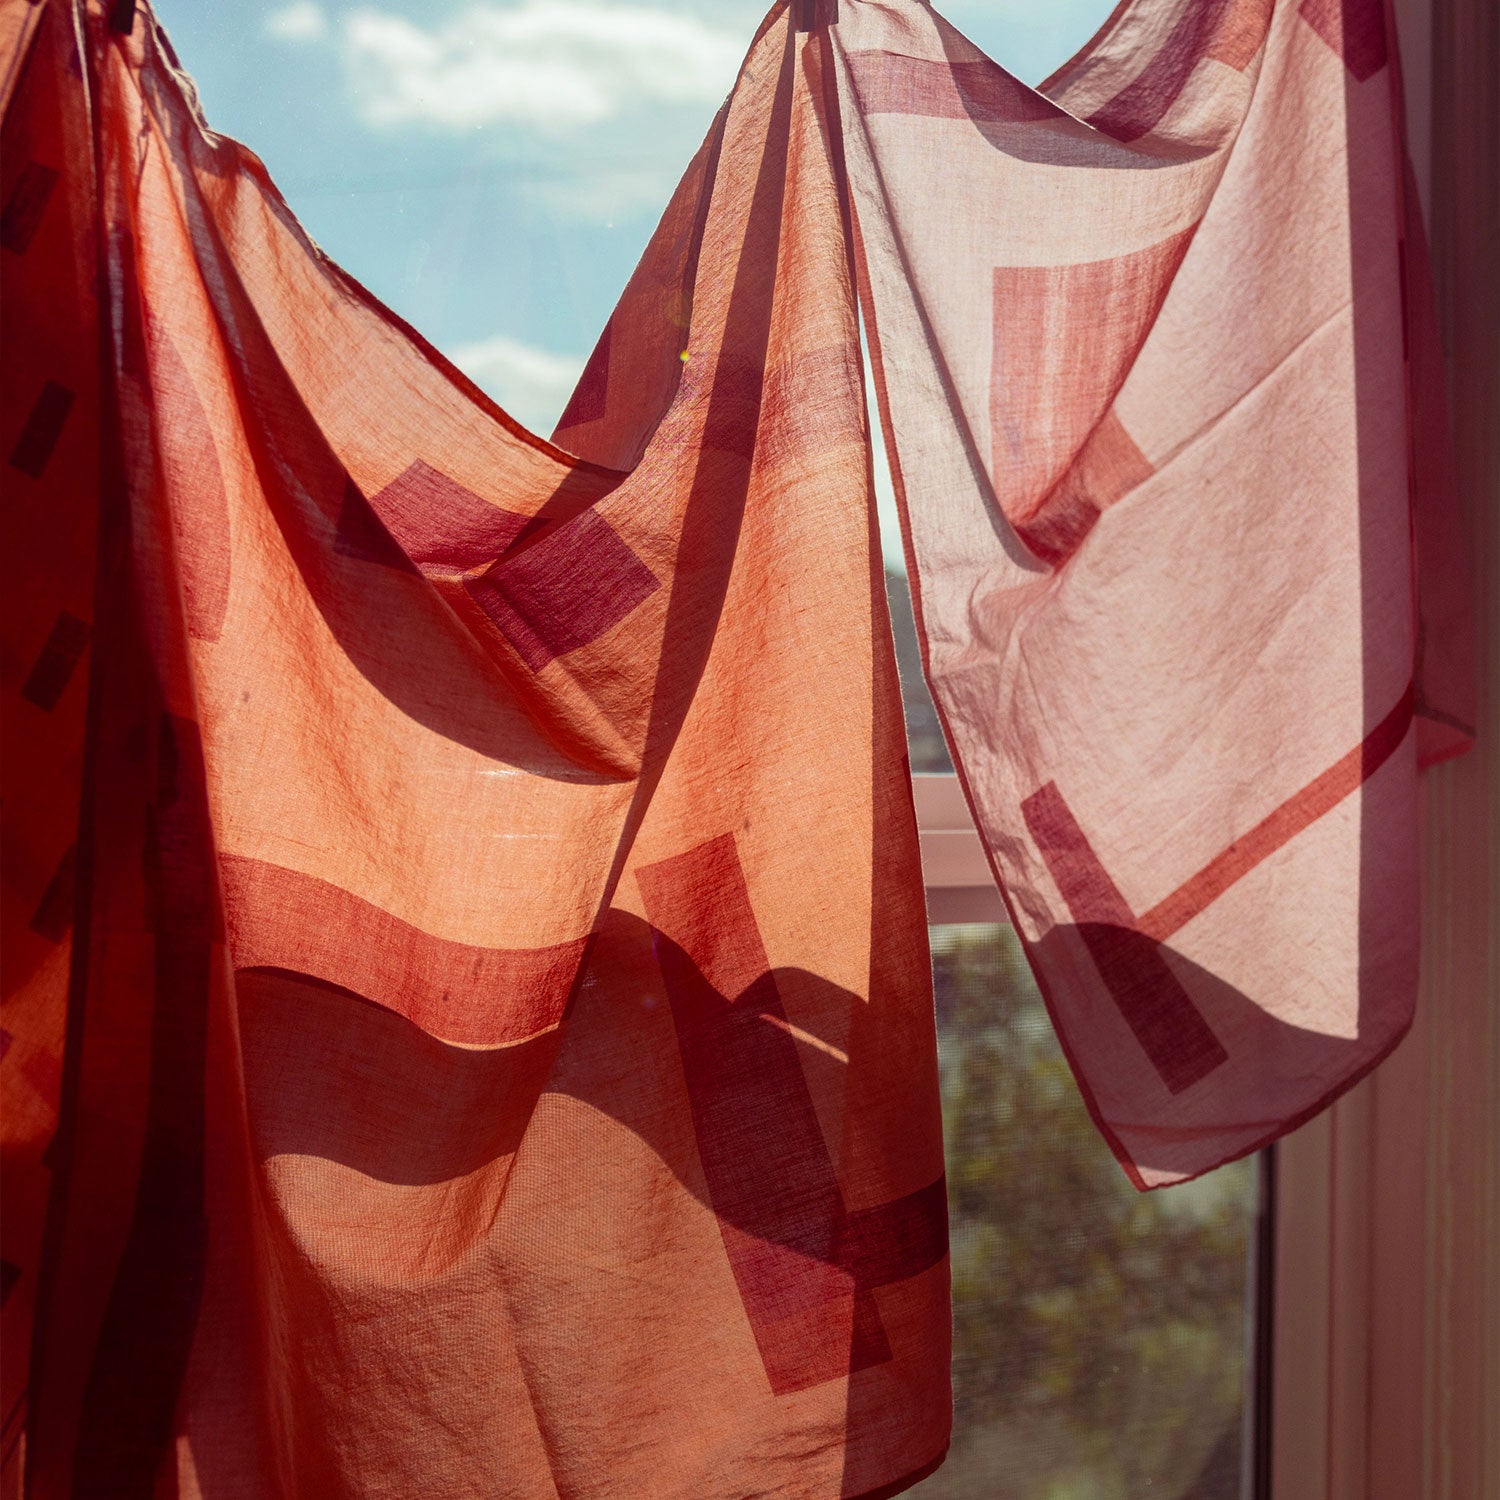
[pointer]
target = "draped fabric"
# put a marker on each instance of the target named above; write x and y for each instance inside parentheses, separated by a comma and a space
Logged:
(1166, 412)
(498, 1064)
(477, 1037)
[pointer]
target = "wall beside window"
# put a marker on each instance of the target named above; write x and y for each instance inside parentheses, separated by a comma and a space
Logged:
(1387, 1345)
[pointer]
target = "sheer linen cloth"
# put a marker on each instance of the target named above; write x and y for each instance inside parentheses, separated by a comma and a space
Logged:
(500, 1054)
(1180, 528)
(498, 1064)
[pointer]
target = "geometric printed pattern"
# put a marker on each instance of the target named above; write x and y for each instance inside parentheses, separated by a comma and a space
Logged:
(550, 585)
(806, 1268)
(1356, 32)
(1170, 1028)
(1152, 1000)
(1163, 547)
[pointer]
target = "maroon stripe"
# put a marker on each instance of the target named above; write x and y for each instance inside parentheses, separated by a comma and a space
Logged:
(1159, 1011)
(24, 208)
(488, 997)
(1319, 796)
(53, 668)
(890, 83)
(43, 428)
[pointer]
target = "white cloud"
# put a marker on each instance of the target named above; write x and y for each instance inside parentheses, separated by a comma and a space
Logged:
(301, 22)
(532, 384)
(597, 189)
(552, 64)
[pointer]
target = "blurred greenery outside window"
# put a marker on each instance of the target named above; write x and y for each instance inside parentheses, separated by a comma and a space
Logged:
(1102, 1338)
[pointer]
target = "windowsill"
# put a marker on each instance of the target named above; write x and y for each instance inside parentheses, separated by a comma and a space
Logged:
(955, 868)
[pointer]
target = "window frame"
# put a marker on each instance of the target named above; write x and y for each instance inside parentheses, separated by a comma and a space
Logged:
(960, 888)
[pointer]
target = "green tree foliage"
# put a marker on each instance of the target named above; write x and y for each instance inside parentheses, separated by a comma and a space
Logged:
(1100, 1334)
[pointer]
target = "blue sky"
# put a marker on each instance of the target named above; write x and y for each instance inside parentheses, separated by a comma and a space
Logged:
(492, 169)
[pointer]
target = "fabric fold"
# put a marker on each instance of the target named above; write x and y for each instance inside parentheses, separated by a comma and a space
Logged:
(467, 1000)
(498, 907)
(1166, 413)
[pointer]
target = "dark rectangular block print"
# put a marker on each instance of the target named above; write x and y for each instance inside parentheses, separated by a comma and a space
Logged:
(435, 519)
(43, 427)
(1354, 29)
(1159, 1011)
(803, 1264)
(53, 668)
(24, 208)
(569, 585)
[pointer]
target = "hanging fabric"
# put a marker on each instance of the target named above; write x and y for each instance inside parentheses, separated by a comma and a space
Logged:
(499, 1048)
(1180, 528)
(499, 1063)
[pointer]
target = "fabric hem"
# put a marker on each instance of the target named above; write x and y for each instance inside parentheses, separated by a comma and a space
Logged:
(885, 1491)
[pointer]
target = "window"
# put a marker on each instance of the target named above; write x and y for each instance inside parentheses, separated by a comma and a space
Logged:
(1101, 1346)
(1105, 1341)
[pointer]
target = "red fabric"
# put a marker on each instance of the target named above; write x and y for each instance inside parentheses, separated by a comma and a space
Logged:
(500, 1051)
(1166, 410)
(500, 1062)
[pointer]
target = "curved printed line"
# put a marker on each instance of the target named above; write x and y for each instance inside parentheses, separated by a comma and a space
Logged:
(457, 992)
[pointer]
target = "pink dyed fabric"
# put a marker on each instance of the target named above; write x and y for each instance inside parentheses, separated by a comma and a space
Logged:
(1160, 387)
(466, 1012)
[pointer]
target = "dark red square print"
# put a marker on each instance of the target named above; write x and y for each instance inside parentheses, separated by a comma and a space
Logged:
(563, 589)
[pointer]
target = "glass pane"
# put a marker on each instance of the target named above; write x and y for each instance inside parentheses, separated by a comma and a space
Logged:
(924, 735)
(1101, 1336)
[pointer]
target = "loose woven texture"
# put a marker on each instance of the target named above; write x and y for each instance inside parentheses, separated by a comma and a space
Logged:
(500, 1064)
(501, 1050)
(1158, 445)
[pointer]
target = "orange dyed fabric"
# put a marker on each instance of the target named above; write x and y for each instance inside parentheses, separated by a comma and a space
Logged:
(500, 1052)
(501, 1055)
(1166, 411)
